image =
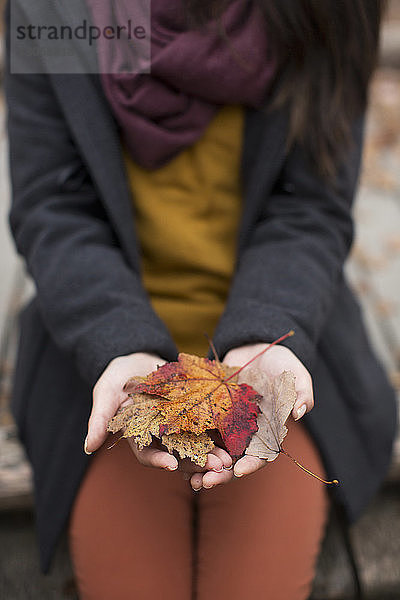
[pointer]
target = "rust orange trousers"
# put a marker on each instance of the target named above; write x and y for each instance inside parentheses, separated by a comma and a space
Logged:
(132, 533)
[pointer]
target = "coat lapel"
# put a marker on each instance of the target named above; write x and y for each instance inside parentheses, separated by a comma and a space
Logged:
(96, 135)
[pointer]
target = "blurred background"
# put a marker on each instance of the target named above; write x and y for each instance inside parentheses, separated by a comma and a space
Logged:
(374, 271)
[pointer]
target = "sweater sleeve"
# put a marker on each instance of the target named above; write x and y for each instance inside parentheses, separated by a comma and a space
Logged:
(288, 274)
(91, 299)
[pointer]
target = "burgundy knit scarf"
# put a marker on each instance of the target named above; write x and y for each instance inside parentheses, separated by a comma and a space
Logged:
(193, 72)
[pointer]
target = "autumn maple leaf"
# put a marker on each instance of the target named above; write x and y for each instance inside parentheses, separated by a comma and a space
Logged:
(278, 397)
(277, 402)
(141, 420)
(197, 394)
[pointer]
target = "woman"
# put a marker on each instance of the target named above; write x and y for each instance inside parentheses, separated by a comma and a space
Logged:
(241, 172)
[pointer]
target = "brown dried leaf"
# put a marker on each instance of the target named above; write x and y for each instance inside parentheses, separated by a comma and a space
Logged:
(139, 420)
(278, 399)
(121, 419)
(189, 445)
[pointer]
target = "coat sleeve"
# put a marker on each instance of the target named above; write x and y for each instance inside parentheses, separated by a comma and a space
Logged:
(91, 300)
(288, 274)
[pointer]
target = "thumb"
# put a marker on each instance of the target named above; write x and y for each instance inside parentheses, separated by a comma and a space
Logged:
(305, 395)
(108, 394)
(105, 404)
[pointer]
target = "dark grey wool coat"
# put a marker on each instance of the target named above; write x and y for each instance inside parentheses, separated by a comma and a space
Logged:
(72, 220)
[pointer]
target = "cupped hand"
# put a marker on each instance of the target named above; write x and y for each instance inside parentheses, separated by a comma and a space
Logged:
(109, 397)
(273, 362)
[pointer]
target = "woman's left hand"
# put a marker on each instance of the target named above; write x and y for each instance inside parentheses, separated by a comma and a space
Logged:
(273, 362)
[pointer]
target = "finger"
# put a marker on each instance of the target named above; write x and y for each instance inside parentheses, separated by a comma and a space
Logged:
(305, 396)
(153, 457)
(105, 405)
(223, 456)
(212, 479)
(214, 463)
(247, 465)
(196, 481)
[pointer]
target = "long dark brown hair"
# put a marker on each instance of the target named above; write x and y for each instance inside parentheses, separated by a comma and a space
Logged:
(326, 51)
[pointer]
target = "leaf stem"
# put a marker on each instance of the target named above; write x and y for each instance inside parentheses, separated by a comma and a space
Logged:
(278, 341)
(115, 443)
(211, 344)
(296, 462)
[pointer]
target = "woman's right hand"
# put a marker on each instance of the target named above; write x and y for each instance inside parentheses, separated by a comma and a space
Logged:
(109, 397)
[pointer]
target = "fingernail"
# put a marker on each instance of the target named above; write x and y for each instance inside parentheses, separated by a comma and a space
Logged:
(239, 474)
(86, 449)
(228, 468)
(301, 412)
(218, 470)
(196, 489)
(208, 487)
(171, 468)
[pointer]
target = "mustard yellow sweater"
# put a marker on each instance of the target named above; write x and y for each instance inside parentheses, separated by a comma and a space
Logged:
(187, 215)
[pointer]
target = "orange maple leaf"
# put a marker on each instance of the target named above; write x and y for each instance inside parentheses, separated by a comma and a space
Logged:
(197, 394)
